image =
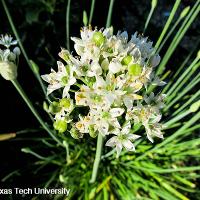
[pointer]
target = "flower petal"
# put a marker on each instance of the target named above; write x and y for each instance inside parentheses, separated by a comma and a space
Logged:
(128, 145)
(116, 112)
(115, 67)
(112, 141)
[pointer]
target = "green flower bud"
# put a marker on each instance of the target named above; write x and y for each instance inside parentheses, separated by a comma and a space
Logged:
(75, 133)
(92, 132)
(184, 12)
(198, 54)
(105, 64)
(62, 179)
(126, 60)
(54, 107)
(135, 69)
(65, 103)
(60, 126)
(83, 166)
(153, 3)
(8, 70)
(98, 38)
(195, 106)
(85, 18)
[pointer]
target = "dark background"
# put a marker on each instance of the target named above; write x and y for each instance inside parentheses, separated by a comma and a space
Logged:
(42, 30)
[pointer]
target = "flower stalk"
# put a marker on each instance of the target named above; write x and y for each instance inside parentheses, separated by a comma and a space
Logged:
(30, 105)
(97, 158)
(37, 75)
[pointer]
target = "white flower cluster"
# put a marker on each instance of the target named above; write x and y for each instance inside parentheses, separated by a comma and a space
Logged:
(108, 78)
(8, 58)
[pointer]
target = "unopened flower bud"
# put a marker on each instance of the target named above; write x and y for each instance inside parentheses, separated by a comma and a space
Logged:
(65, 103)
(60, 126)
(92, 132)
(105, 64)
(184, 12)
(54, 107)
(126, 60)
(195, 106)
(85, 18)
(155, 60)
(134, 69)
(198, 54)
(75, 133)
(98, 38)
(8, 70)
(154, 3)
(16, 51)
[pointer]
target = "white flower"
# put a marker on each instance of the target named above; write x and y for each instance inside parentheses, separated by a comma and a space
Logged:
(86, 47)
(7, 41)
(153, 130)
(155, 80)
(63, 78)
(149, 117)
(84, 123)
(156, 101)
(94, 69)
(104, 118)
(122, 138)
(8, 59)
(143, 45)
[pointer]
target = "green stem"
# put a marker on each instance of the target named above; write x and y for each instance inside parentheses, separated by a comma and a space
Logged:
(168, 35)
(29, 104)
(190, 85)
(67, 24)
(183, 77)
(108, 22)
(97, 158)
(28, 150)
(37, 75)
(189, 102)
(177, 118)
(148, 19)
(179, 35)
(91, 11)
(172, 13)
(169, 84)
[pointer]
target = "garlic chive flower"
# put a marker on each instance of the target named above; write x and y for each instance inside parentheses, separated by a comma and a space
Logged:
(122, 138)
(9, 57)
(106, 80)
(7, 41)
(63, 78)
